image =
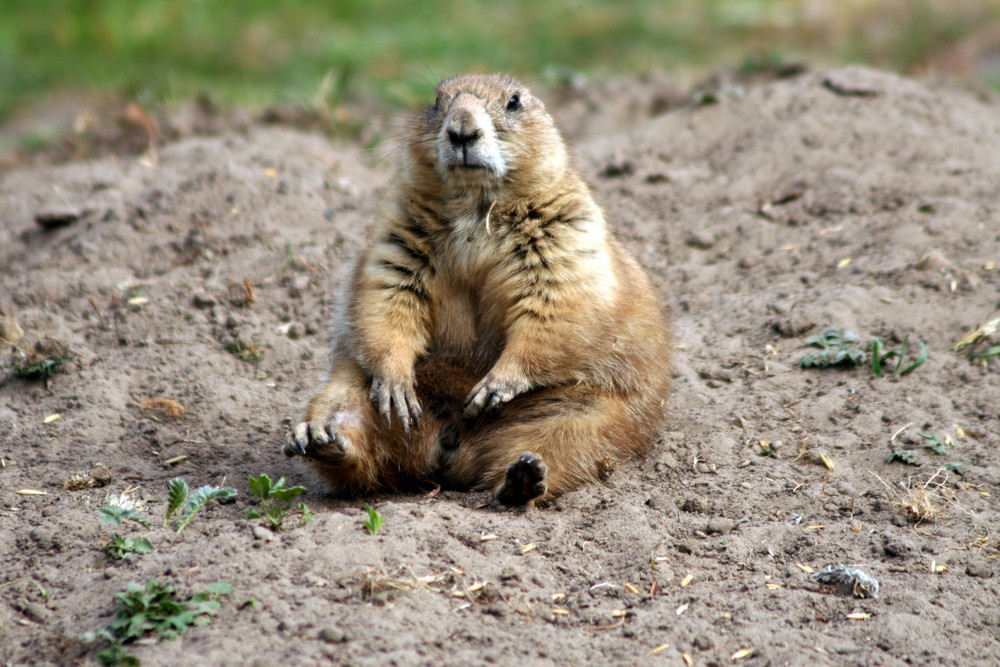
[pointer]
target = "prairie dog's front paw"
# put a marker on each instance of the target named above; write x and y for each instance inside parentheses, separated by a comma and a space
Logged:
(320, 439)
(492, 392)
(397, 396)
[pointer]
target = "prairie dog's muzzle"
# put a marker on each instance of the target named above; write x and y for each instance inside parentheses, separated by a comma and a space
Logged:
(467, 139)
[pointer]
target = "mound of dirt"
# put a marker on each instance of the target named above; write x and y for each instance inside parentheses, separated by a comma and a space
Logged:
(185, 297)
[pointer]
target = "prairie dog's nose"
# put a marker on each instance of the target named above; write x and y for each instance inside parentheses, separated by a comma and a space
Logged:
(463, 128)
(467, 121)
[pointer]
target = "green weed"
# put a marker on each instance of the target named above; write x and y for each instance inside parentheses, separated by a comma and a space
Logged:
(154, 611)
(837, 348)
(187, 503)
(117, 509)
(840, 347)
(121, 547)
(375, 520)
(934, 444)
(45, 358)
(881, 355)
(276, 502)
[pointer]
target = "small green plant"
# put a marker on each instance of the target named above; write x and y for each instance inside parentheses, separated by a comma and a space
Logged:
(154, 610)
(881, 355)
(907, 456)
(188, 503)
(837, 348)
(375, 520)
(933, 444)
(121, 547)
(122, 507)
(276, 502)
(46, 358)
(244, 350)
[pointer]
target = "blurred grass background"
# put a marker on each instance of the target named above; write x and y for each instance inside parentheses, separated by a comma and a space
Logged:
(257, 52)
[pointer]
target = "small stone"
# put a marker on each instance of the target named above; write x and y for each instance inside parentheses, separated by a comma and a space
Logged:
(719, 526)
(660, 501)
(897, 546)
(703, 643)
(979, 569)
(10, 330)
(102, 475)
(203, 301)
(36, 612)
(52, 217)
(700, 239)
(333, 635)
(693, 505)
(618, 167)
(263, 534)
(793, 324)
(853, 82)
(296, 330)
(498, 609)
(510, 573)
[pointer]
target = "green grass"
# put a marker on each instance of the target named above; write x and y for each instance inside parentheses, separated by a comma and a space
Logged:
(255, 52)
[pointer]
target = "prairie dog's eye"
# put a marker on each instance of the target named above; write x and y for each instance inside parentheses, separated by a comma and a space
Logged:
(514, 103)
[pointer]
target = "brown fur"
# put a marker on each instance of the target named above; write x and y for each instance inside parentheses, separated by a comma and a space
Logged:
(494, 335)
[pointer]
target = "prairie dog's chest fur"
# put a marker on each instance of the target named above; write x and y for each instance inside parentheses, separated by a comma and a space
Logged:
(492, 223)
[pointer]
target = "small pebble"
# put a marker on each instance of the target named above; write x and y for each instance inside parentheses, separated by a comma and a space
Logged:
(979, 569)
(263, 534)
(203, 301)
(52, 217)
(333, 635)
(719, 526)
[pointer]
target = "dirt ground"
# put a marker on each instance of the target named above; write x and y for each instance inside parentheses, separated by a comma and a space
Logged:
(766, 213)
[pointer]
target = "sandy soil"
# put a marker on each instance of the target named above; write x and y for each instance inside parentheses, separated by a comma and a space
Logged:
(848, 198)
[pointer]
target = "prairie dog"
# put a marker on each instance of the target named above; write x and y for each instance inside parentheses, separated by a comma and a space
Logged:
(494, 335)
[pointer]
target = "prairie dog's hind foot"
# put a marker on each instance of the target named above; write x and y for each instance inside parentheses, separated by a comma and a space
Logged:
(524, 481)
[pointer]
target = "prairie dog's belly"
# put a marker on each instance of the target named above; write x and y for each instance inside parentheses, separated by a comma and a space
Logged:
(465, 329)
(456, 323)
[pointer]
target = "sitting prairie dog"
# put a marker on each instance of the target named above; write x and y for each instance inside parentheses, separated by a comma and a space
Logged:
(494, 335)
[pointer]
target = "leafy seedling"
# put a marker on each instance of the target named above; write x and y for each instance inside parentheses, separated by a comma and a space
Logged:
(837, 348)
(121, 547)
(276, 502)
(186, 503)
(46, 358)
(933, 444)
(956, 467)
(907, 456)
(881, 355)
(117, 509)
(154, 611)
(840, 347)
(375, 520)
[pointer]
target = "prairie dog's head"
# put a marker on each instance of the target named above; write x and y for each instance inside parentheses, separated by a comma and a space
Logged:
(488, 130)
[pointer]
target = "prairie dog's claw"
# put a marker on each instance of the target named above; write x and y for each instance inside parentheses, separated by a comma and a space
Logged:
(399, 397)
